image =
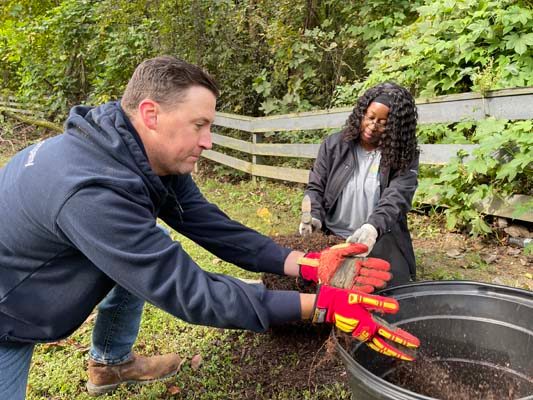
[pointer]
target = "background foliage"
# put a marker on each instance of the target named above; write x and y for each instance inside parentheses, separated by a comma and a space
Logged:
(279, 56)
(270, 56)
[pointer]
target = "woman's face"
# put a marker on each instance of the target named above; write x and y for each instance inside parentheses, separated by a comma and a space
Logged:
(373, 125)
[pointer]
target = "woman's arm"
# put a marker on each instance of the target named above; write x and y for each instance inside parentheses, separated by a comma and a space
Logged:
(317, 183)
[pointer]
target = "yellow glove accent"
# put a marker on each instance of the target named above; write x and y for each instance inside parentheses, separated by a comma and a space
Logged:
(312, 262)
(363, 336)
(345, 324)
(355, 298)
(394, 338)
(377, 346)
(340, 246)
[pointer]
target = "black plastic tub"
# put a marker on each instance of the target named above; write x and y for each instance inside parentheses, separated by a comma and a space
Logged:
(476, 338)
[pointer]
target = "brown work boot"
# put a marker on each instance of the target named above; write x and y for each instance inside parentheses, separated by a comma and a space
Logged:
(137, 370)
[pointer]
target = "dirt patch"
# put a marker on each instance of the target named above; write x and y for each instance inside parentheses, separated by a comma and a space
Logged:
(441, 255)
(294, 358)
(460, 381)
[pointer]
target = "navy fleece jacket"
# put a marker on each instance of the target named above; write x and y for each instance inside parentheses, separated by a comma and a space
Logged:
(78, 215)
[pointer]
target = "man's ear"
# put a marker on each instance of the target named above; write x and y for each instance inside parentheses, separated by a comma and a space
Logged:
(148, 110)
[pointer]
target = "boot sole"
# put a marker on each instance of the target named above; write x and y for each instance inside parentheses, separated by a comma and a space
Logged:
(99, 390)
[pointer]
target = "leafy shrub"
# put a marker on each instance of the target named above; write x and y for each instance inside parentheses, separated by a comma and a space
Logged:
(455, 46)
(501, 166)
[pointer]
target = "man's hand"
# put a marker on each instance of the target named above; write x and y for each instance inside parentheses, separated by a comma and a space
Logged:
(350, 310)
(366, 234)
(369, 273)
(306, 228)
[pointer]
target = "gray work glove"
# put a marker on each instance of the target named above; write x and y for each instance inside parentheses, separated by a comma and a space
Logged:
(306, 229)
(366, 234)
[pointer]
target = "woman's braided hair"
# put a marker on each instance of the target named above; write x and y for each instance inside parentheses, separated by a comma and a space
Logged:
(397, 143)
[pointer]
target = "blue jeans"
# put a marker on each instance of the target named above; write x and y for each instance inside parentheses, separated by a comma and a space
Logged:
(117, 325)
(14, 368)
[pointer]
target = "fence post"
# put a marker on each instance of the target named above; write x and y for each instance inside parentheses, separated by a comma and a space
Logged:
(257, 137)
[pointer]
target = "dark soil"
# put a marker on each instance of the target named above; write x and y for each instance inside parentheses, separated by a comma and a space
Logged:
(446, 380)
(293, 358)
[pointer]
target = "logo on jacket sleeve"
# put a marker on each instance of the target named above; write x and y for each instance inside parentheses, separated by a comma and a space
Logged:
(32, 154)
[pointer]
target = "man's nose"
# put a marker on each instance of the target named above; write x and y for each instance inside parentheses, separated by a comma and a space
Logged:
(206, 140)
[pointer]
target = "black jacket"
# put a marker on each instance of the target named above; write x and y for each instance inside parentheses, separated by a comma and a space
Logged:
(333, 168)
(78, 214)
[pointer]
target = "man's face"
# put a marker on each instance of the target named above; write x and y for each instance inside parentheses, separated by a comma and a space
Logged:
(182, 132)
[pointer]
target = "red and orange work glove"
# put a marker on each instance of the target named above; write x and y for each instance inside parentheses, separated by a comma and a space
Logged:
(369, 274)
(350, 310)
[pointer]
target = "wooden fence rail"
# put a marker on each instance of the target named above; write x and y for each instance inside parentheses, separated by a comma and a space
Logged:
(512, 104)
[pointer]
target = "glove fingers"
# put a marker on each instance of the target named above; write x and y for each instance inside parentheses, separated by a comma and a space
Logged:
(301, 228)
(395, 334)
(375, 263)
(375, 282)
(382, 346)
(374, 303)
(371, 273)
(332, 258)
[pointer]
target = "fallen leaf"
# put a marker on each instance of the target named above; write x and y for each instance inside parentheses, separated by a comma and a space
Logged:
(78, 346)
(529, 276)
(196, 360)
(60, 343)
(172, 389)
(454, 253)
(264, 213)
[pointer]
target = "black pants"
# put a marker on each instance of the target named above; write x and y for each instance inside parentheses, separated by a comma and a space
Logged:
(387, 248)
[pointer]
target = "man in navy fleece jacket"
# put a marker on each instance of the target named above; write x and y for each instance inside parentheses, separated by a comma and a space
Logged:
(78, 214)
